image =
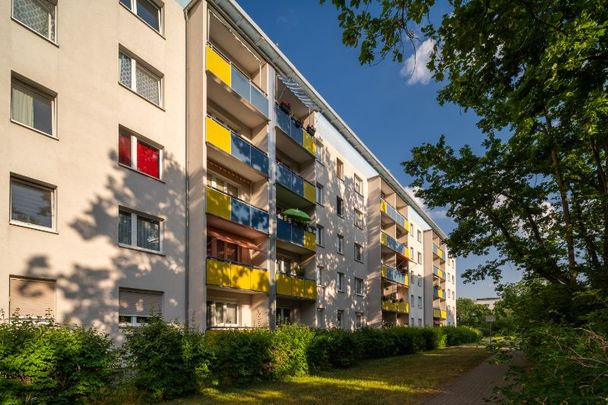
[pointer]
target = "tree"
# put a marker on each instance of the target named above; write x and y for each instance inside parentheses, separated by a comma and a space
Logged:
(535, 73)
(468, 313)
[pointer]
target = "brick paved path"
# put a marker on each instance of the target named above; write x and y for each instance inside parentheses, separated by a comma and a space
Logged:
(476, 386)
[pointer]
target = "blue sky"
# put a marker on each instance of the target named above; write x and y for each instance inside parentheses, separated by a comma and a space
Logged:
(389, 114)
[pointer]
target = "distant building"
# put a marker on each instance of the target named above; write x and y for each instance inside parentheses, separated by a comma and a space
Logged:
(488, 302)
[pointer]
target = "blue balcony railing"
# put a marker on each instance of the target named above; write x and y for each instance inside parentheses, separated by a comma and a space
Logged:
(246, 89)
(392, 274)
(296, 234)
(232, 209)
(392, 244)
(295, 132)
(295, 183)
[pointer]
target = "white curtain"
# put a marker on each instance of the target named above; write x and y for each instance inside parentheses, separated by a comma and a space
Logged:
(23, 106)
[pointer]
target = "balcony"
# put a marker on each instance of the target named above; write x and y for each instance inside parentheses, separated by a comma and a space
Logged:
(437, 272)
(390, 212)
(394, 275)
(232, 209)
(392, 244)
(232, 144)
(305, 192)
(223, 273)
(296, 287)
(439, 253)
(396, 306)
(439, 314)
(438, 293)
(233, 90)
(298, 239)
(297, 134)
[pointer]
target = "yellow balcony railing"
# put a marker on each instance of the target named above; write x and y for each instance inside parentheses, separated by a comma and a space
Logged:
(439, 293)
(392, 274)
(394, 245)
(393, 214)
(296, 287)
(396, 306)
(439, 313)
(439, 252)
(438, 272)
(236, 275)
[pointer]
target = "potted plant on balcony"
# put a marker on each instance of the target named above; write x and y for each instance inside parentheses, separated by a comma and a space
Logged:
(298, 123)
(311, 130)
(285, 106)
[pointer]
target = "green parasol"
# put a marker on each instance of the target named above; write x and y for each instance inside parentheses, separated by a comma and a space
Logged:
(297, 214)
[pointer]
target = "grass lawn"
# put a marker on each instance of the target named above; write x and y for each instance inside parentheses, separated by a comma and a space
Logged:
(395, 380)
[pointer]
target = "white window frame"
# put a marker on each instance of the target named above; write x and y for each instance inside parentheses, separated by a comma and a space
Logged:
(135, 62)
(134, 139)
(359, 320)
(340, 244)
(358, 185)
(419, 302)
(340, 169)
(340, 318)
(239, 317)
(40, 185)
(52, 4)
(320, 199)
(419, 236)
(212, 181)
(133, 245)
(359, 219)
(419, 258)
(161, 19)
(340, 206)
(32, 87)
(340, 282)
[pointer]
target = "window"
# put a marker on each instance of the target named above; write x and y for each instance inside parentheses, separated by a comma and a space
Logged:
(412, 321)
(283, 316)
(340, 244)
(419, 280)
(319, 194)
(222, 184)
(320, 235)
(37, 15)
(32, 204)
(32, 107)
(31, 298)
(340, 282)
(358, 219)
(139, 155)
(136, 307)
(138, 230)
(340, 206)
(321, 318)
(412, 298)
(146, 10)
(359, 320)
(339, 169)
(419, 234)
(340, 318)
(358, 185)
(419, 302)
(358, 286)
(412, 253)
(320, 153)
(223, 314)
(230, 251)
(419, 258)
(139, 78)
(358, 252)
(419, 321)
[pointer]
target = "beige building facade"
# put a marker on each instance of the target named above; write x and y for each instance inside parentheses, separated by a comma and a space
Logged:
(172, 161)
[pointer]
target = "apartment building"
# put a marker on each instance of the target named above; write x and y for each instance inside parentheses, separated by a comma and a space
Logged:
(172, 160)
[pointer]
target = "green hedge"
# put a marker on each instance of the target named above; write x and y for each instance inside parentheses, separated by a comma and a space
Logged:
(48, 363)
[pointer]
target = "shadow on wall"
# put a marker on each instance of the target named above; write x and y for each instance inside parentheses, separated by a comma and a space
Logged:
(90, 285)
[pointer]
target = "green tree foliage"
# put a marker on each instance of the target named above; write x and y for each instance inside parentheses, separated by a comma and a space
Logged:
(535, 74)
(468, 313)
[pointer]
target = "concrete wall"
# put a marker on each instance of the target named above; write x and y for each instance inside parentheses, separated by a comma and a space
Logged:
(81, 162)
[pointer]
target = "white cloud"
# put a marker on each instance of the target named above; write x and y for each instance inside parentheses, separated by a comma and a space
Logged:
(414, 69)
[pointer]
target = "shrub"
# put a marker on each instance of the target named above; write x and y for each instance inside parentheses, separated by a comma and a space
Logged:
(433, 338)
(333, 348)
(169, 361)
(289, 348)
(42, 363)
(240, 357)
(461, 334)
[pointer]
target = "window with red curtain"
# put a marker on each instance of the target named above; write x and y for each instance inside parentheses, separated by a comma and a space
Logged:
(124, 149)
(147, 159)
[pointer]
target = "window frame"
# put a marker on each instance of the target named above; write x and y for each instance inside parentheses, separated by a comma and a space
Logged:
(51, 3)
(161, 15)
(358, 246)
(359, 320)
(135, 139)
(358, 180)
(359, 282)
(133, 245)
(213, 305)
(340, 282)
(419, 258)
(339, 206)
(359, 221)
(138, 62)
(36, 184)
(320, 235)
(339, 169)
(340, 244)
(29, 86)
(340, 318)
(319, 194)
